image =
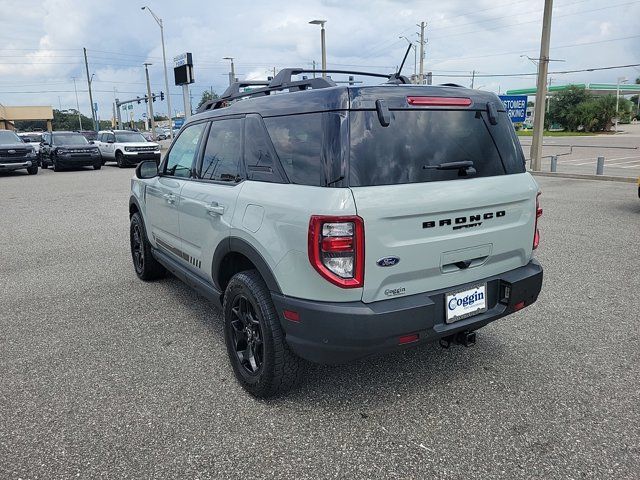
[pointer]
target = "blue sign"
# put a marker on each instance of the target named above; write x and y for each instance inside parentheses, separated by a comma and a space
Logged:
(178, 122)
(516, 106)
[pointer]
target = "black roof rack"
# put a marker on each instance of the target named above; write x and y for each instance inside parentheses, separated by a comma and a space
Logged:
(283, 81)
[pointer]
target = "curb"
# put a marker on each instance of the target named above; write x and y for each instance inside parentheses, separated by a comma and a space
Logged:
(580, 176)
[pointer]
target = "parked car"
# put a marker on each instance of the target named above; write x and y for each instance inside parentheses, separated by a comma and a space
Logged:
(15, 154)
(34, 138)
(336, 222)
(68, 150)
(126, 147)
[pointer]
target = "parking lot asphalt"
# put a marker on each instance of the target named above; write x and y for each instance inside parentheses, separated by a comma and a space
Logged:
(104, 376)
(579, 155)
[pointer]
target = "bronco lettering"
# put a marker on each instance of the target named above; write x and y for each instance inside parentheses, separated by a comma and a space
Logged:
(464, 222)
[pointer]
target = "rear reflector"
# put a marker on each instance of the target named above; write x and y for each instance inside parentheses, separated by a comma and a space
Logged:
(439, 101)
(518, 306)
(408, 339)
(291, 315)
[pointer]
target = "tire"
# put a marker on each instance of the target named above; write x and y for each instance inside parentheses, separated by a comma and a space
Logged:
(56, 167)
(32, 170)
(97, 165)
(145, 265)
(44, 164)
(261, 360)
(120, 159)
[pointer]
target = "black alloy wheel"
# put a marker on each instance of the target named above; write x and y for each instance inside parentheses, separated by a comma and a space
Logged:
(247, 335)
(137, 250)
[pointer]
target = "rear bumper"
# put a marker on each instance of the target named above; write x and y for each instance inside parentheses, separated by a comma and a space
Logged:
(341, 332)
(7, 167)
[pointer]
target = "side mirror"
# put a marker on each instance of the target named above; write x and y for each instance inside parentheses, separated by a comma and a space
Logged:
(110, 141)
(147, 169)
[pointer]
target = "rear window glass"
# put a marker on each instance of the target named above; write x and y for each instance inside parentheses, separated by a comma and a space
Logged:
(414, 140)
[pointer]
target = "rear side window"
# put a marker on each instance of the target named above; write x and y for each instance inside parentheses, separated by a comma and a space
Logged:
(258, 152)
(418, 139)
(221, 161)
(310, 146)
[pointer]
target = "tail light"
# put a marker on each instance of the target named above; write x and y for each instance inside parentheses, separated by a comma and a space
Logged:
(536, 232)
(336, 249)
(439, 101)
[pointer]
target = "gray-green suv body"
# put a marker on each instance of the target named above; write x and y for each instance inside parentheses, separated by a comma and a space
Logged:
(332, 222)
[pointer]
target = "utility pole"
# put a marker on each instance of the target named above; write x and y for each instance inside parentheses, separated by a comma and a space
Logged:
(77, 103)
(232, 73)
(314, 70)
(473, 78)
(93, 112)
(150, 110)
(421, 77)
(541, 90)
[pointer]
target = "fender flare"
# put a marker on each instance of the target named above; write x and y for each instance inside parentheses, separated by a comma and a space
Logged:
(239, 245)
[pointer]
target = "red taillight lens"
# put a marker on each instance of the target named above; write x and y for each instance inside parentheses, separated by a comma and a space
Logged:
(439, 101)
(336, 249)
(536, 232)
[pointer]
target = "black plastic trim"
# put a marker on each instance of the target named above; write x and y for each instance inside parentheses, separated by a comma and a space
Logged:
(201, 285)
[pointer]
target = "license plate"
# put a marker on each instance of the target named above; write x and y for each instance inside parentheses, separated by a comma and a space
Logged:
(466, 303)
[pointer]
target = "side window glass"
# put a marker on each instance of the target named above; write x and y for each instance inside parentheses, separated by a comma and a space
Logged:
(111, 137)
(258, 152)
(221, 159)
(183, 151)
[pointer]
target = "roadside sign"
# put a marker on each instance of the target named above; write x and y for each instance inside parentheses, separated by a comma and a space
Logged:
(144, 115)
(516, 106)
(178, 122)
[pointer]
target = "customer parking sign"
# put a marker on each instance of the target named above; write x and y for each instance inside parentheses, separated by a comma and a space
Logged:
(516, 106)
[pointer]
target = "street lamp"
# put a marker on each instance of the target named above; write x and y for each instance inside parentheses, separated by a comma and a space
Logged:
(322, 42)
(620, 80)
(232, 73)
(77, 102)
(415, 56)
(164, 60)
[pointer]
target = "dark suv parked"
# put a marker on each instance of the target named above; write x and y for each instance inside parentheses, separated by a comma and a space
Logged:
(16, 154)
(68, 149)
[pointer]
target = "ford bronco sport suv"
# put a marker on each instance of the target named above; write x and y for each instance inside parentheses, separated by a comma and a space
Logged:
(68, 150)
(126, 147)
(334, 222)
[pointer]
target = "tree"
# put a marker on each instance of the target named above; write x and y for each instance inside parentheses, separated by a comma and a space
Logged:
(562, 107)
(207, 96)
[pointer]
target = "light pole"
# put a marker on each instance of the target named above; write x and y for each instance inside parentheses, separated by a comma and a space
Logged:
(620, 80)
(77, 103)
(164, 61)
(150, 102)
(232, 73)
(415, 56)
(322, 42)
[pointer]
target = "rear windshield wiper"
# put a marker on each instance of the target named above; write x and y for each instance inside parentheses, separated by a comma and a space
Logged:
(465, 168)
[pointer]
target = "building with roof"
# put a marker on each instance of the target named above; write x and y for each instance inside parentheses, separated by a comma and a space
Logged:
(10, 115)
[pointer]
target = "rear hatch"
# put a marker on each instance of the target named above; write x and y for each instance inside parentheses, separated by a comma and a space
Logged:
(426, 228)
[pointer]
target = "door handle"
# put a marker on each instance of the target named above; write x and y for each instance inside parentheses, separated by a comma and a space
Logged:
(214, 208)
(170, 197)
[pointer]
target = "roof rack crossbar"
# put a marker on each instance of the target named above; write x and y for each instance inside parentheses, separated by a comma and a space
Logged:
(282, 81)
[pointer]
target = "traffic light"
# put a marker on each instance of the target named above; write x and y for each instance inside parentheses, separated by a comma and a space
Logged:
(161, 95)
(153, 97)
(138, 100)
(146, 99)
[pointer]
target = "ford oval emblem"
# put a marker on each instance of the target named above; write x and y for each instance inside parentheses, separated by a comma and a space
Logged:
(388, 261)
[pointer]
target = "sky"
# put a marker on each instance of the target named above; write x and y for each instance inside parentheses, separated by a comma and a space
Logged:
(41, 43)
